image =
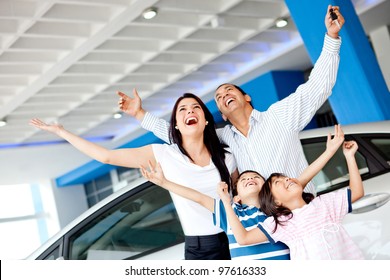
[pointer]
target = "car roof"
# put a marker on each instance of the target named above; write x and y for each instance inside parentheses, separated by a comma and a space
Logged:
(367, 127)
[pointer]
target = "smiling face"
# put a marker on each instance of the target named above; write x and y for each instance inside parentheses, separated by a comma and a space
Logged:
(229, 98)
(285, 189)
(190, 116)
(249, 184)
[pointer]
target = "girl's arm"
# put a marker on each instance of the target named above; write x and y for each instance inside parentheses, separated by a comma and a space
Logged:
(156, 176)
(242, 236)
(121, 157)
(355, 181)
(332, 146)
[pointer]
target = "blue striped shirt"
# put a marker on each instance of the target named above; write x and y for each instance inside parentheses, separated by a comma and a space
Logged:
(250, 217)
(273, 144)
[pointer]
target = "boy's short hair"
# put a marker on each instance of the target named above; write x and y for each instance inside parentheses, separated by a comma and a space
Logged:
(234, 189)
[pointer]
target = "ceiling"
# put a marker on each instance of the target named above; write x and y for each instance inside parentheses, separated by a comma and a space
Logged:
(64, 60)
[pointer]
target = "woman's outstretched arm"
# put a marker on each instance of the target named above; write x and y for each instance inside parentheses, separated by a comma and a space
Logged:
(122, 157)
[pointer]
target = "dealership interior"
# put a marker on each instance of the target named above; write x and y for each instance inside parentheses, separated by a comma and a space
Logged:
(64, 60)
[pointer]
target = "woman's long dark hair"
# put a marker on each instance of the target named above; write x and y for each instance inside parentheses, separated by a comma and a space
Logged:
(268, 205)
(210, 138)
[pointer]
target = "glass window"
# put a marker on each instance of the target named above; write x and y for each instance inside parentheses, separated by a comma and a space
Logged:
(129, 174)
(89, 187)
(103, 195)
(21, 221)
(16, 201)
(335, 171)
(146, 221)
(103, 181)
(383, 145)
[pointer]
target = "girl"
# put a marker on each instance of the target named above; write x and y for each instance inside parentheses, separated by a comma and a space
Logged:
(196, 159)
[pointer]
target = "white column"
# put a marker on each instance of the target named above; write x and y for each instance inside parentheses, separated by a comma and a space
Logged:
(380, 39)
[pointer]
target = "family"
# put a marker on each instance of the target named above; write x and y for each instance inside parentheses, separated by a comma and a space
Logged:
(230, 201)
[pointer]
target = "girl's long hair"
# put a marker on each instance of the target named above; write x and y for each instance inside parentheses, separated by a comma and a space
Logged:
(268, 205)
(210, 139)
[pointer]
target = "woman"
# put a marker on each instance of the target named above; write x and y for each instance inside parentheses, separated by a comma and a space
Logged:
(195, 159)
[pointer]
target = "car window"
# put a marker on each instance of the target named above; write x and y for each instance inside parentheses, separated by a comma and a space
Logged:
(383, 145)
(145, 222)
(335, 173)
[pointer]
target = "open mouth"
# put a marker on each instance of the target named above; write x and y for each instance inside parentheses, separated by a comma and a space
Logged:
(251, 183)
(230, 100)
(289, 185)
(191, 121)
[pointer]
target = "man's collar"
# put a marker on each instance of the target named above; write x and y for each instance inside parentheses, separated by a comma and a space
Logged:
(255, 115)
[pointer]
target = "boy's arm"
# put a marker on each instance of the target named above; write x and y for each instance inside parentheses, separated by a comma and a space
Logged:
(355, 180)
(332, 146)
(156, 176)
(242, 236)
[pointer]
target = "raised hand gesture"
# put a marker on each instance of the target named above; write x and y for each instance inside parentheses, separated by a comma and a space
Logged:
(223, 192)
(334, 143)
(333, 25)
(350, 148)
(131, 106)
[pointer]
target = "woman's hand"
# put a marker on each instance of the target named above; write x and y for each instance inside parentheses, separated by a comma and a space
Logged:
(53, 128)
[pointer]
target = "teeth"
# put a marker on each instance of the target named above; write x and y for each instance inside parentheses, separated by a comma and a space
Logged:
(250, 184)
(191, 120)
(228, 101)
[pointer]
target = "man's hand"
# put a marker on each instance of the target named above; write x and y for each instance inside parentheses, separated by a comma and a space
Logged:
(332, 27)
(131, 106)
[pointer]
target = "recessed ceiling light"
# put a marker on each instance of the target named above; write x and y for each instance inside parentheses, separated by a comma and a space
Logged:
(150, 13)
(281, 22)
(3, 122)
(117, 115)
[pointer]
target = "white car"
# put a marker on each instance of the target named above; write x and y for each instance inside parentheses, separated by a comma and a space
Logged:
(140, 220)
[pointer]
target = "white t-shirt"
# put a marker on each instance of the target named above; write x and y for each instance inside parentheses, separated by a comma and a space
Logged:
(195, 219)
